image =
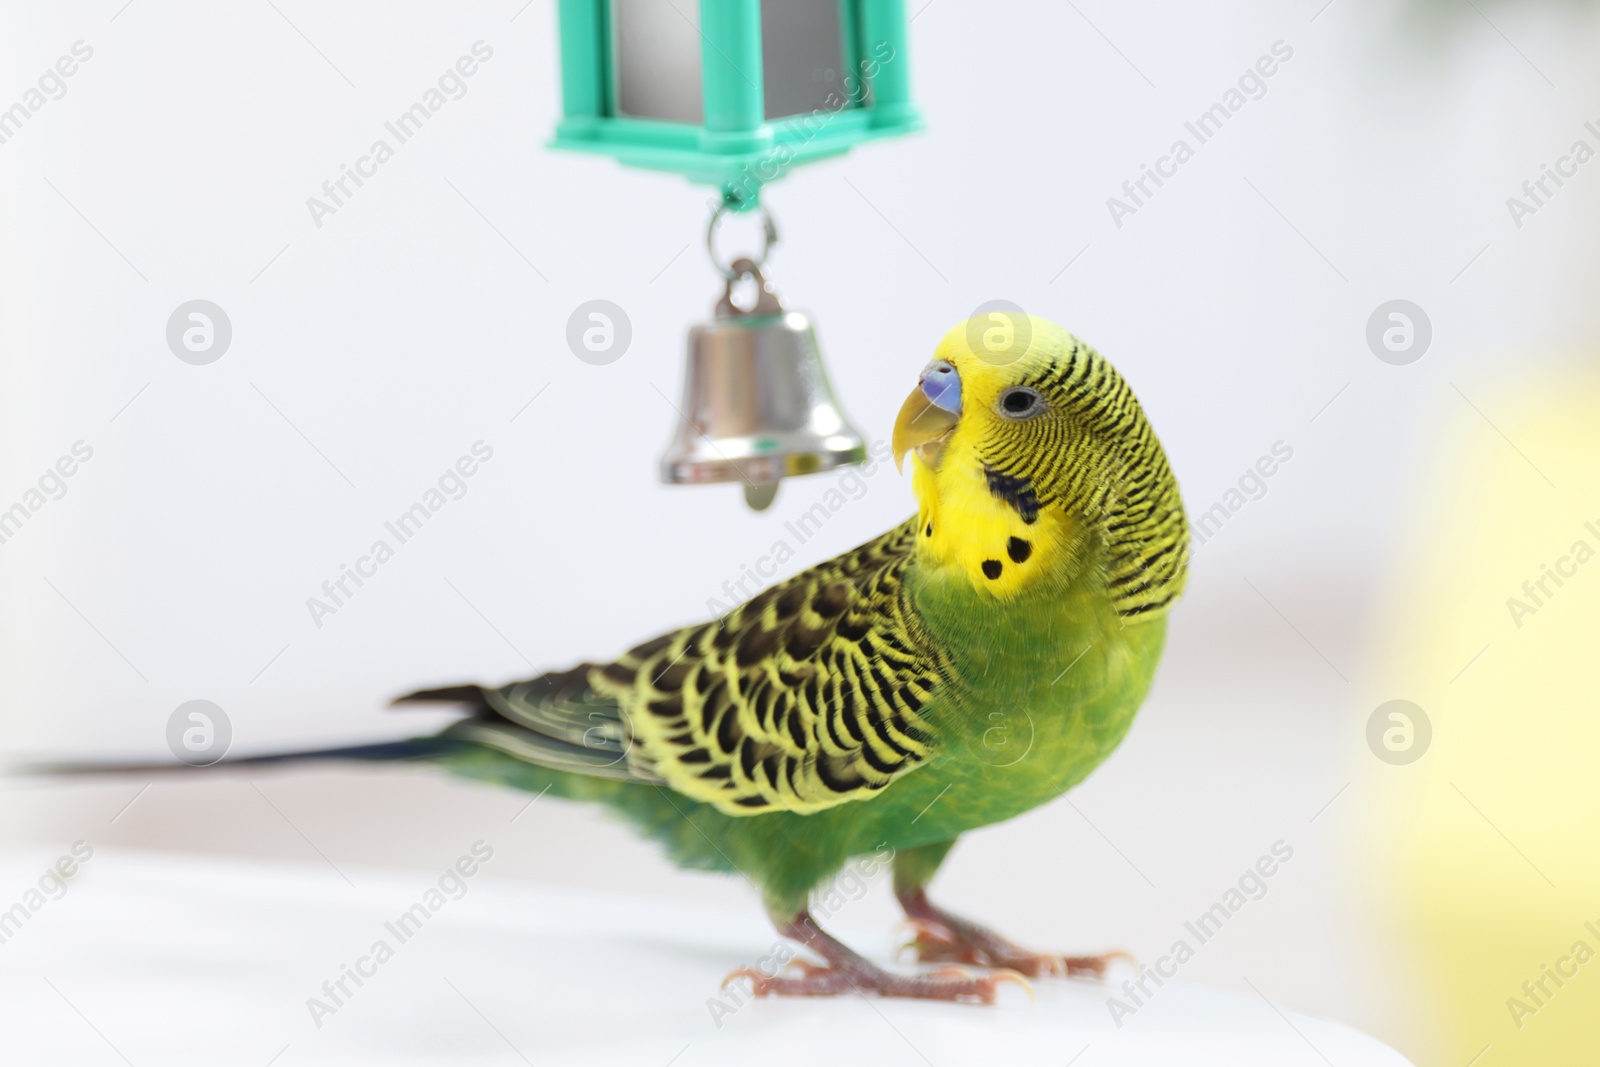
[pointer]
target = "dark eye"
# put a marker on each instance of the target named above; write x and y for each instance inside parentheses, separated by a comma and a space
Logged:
(1020, 403)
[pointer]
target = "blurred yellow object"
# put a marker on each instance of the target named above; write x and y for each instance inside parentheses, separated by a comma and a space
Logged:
(1492, 837)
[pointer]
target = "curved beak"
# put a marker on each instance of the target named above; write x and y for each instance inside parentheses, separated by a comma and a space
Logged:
(928, 415)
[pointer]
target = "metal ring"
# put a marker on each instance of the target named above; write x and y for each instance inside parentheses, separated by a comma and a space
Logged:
(769, 237)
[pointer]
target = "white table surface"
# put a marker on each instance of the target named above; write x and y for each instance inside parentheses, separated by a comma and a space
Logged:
(161, 960)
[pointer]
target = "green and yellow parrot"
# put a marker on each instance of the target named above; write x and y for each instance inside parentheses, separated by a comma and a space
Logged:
(971, 664)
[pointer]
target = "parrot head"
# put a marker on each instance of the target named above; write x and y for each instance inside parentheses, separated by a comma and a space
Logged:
(1033, 463)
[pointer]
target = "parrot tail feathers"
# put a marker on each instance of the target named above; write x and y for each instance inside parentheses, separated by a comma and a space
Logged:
(416, 748)
(474, 696)
(554, 721)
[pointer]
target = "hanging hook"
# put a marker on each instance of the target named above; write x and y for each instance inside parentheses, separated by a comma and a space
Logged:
(769, 237)
(766, 302)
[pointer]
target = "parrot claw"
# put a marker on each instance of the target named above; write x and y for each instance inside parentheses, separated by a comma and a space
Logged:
(733, 976)
(1073, 966)
(1006, 974)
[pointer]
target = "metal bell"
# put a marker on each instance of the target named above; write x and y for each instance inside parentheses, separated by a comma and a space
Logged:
(757, 405)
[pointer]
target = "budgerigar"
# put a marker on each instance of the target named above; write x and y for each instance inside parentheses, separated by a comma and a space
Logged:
(971, 664)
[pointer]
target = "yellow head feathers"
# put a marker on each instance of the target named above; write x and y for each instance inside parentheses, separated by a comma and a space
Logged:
(1033, 463)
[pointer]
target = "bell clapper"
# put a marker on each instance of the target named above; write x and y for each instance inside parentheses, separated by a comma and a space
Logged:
(760, 495)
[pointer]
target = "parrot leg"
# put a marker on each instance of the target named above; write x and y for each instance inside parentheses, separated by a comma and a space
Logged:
(847, 971)
(941, 937)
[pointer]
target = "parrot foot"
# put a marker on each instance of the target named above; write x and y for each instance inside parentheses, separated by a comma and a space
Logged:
(949, 983)
(846, 971)
(939, 937)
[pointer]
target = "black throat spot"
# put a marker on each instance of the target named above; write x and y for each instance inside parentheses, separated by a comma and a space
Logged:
(1018, 492)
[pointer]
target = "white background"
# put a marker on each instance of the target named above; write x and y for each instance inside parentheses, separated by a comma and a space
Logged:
(369, 353)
